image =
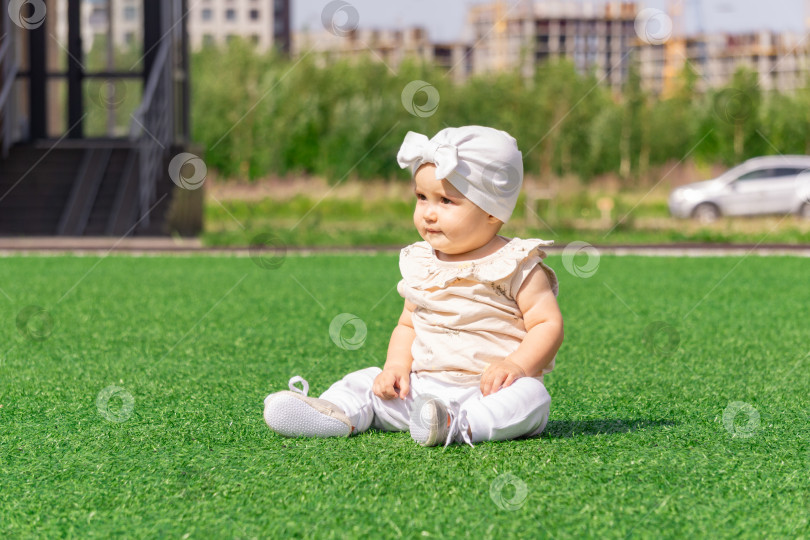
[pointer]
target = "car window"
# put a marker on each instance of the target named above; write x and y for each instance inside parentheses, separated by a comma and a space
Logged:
(789, 171)
(757, 175)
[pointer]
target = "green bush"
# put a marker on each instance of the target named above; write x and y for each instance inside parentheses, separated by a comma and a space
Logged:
(261, 114)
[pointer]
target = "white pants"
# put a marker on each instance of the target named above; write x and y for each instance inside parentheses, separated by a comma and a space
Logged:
(519, 410)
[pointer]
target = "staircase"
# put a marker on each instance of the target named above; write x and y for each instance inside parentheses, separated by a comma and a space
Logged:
(76, 188)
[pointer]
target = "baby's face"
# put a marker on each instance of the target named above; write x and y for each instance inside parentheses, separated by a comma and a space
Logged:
(446, 219)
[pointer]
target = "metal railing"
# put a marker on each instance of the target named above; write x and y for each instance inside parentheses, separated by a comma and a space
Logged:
(151, 128)
(8, 77)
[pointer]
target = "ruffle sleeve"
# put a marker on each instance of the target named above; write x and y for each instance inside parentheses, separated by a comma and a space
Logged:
(535, 258)
(422, 270)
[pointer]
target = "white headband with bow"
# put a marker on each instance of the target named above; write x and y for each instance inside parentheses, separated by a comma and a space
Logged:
(483, 163)
(417, 149)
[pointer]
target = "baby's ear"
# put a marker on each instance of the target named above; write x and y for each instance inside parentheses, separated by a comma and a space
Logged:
(493, 220)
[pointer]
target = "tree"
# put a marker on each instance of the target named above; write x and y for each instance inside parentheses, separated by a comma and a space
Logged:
(634, 138)
(737, 109)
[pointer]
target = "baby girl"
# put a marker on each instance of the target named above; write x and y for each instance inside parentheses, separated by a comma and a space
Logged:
(480, 324)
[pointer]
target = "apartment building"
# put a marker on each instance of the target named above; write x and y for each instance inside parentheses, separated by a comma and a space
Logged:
(389, 46)
(597, 37)
(500, 36)
(781, 60)
(266, 23)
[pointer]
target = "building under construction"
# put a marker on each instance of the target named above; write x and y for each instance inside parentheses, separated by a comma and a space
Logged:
(603, 38)
(391, 47)
(596, 37)
(781, 61)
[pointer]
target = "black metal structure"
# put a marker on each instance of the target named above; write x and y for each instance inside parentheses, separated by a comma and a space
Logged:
(65, 183)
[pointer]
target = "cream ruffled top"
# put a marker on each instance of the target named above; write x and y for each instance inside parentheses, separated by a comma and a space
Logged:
(466, 315)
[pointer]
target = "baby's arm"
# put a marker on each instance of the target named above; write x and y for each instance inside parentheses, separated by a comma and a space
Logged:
(396, 373)
(544, 327)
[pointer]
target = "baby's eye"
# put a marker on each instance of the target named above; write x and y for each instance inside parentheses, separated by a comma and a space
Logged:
(421, 197)
(445, 200)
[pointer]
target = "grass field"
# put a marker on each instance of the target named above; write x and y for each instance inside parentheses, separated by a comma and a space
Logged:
(381, 214)
(131, 400)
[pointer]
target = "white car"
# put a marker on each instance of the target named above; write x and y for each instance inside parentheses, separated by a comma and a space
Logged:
(763, 185)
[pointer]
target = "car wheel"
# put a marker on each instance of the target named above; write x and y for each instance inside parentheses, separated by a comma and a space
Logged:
(804, 211)
(706, 213)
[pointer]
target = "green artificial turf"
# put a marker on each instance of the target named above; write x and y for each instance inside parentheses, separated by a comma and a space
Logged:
(679, 405)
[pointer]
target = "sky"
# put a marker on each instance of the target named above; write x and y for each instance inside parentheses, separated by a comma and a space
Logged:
(444, 19)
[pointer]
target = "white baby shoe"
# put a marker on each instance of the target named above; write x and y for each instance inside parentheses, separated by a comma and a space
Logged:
(292, 414)
(433, 423)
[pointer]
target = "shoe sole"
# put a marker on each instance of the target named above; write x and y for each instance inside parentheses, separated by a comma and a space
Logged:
(425, 426)
(293, 415)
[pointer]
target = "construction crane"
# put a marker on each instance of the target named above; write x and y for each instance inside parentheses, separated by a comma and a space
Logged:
(807, 14)
(501, 37)
(502, 11)
(675, 47)
(676, 50)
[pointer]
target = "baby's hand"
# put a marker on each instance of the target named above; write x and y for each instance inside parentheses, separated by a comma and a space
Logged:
(386, 383)
(500, 375)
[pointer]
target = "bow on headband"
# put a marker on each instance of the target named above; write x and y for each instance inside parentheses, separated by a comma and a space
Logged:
(417, 149)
